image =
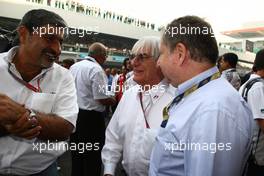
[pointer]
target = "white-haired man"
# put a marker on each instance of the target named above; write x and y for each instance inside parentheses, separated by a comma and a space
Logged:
(133, 127)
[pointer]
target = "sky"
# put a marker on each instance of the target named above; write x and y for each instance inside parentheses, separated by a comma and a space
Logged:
(222, 14)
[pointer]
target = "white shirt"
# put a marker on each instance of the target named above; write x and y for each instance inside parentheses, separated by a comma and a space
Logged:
(255, 100)
(129, 82)
(91, 84)
(58, 96)
(127, 134)
(213, 115)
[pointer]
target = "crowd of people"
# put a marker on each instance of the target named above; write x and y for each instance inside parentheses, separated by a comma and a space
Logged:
(176, 108)
(79, 7)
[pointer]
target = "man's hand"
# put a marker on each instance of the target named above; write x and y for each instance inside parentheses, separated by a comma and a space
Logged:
(25, 127)
(10, 111)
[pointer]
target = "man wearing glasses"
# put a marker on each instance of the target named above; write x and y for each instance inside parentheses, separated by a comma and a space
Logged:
(133, 127)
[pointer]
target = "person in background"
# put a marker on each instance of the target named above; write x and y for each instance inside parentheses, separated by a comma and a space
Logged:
(255, 99)
(108, 109)
(129, 67)
(119, 89)
(227, 66)
(109, 78)
(114, 72)
(67, 63)
(114, 89)
(122, 83)
(129, 76)
(91, 85)
(114, 80)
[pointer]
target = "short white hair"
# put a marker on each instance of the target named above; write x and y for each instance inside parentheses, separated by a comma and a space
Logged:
(149, 45)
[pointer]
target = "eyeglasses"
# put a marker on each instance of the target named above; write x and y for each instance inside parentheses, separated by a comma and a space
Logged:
(140, 57)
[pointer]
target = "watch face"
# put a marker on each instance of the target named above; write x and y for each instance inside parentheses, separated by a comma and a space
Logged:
(32, 118)
(32, 114)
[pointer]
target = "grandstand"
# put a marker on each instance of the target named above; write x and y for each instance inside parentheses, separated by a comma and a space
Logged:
(85, 28)
(117, 31)
(248, 40)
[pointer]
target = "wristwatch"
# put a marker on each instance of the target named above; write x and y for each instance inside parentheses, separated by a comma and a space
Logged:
(32, 115)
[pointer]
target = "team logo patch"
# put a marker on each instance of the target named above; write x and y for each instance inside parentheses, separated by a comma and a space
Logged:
(262, 110)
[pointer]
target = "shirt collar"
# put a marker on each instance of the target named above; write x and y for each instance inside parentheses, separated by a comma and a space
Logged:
(11, 54)
(252, 76)
(91, 59)
(195, 80)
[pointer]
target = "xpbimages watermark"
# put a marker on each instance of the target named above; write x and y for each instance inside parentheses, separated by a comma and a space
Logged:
(139, 88)
(54, 30)
(58, 146)
(209, 147)
(188, 30)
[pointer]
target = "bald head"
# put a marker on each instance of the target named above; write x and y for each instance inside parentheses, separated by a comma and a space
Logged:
(98, 52)
(97, 49)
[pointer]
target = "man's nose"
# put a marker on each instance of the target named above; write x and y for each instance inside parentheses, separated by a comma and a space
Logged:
(56, 47)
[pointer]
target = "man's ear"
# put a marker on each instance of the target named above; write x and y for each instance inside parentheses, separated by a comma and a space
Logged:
(22, 32)
(181, 52)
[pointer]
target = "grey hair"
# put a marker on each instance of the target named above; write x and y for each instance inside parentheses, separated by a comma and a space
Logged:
(149, 45)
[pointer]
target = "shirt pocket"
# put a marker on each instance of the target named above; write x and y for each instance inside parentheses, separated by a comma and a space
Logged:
(43, 102)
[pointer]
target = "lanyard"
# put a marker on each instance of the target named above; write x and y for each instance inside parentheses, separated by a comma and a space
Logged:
(28, 85)
(143, 110)
(178, 98)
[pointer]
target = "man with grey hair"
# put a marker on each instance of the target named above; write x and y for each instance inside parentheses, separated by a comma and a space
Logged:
(207, 128)
(133, 127)
(91, 85)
